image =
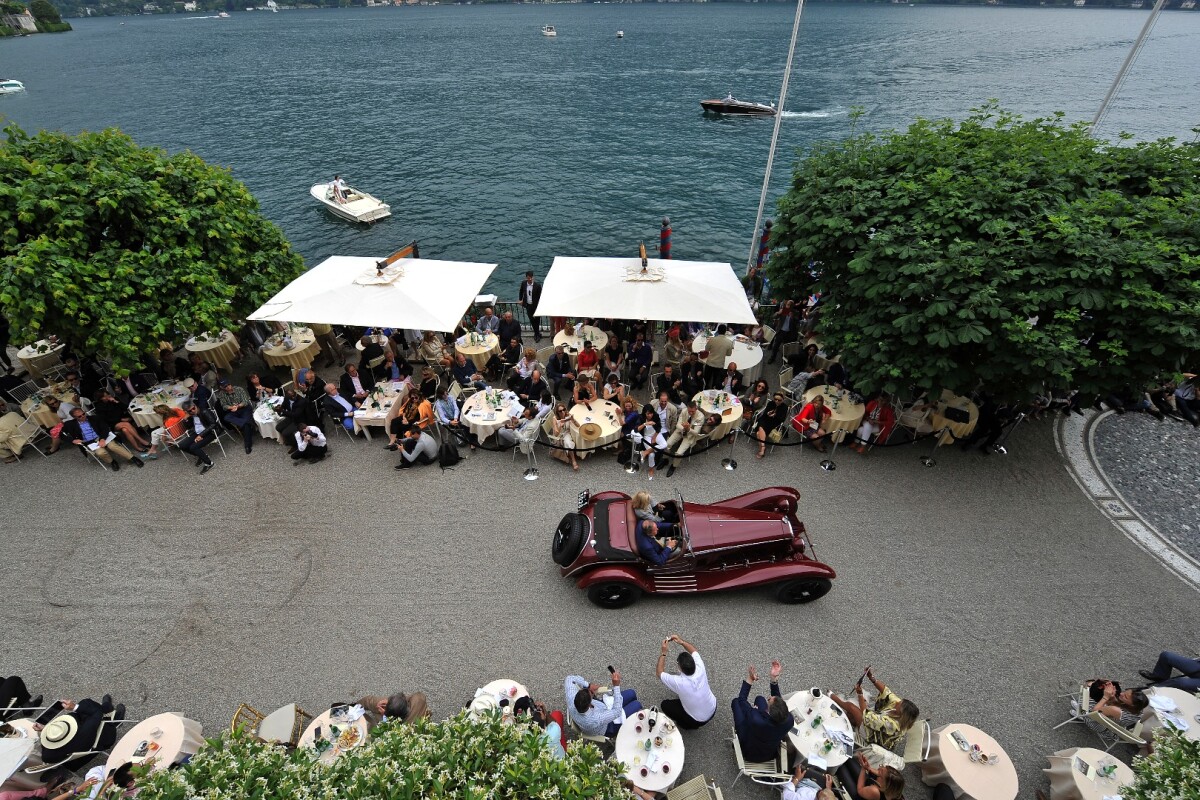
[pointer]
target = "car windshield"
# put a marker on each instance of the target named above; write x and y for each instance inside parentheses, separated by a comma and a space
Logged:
(683, 531)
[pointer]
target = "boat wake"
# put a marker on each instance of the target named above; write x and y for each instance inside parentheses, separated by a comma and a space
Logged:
(815, 114)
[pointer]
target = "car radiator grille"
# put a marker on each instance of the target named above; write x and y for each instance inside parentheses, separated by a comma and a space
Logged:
(675, 583)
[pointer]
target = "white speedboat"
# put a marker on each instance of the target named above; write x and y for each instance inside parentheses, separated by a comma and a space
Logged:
(356, 206)
(620, 34)
(9, 86)
(223, 15)
(548, 30)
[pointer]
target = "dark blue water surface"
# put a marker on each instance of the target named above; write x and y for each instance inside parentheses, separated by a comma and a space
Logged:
(495, 143)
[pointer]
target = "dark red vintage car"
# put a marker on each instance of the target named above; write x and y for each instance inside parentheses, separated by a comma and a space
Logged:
(750, 540)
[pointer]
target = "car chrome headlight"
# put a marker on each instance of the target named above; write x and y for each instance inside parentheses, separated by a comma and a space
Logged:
(584, 498)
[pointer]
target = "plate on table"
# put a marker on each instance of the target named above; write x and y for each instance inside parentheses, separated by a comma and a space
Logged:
(350, 737)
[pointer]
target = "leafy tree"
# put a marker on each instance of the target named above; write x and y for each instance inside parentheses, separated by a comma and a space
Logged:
(1000, 251)
(44, 11)
(116, 247)
(458, 759)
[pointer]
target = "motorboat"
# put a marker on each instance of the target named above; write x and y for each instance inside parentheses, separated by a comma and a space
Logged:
(548, 30)
(9, 86)
(355, 206)
(620, 34)
(223, 15)
(731, 105)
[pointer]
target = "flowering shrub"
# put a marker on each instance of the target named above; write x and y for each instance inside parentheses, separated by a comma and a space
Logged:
(1170, 772)
(458, 759)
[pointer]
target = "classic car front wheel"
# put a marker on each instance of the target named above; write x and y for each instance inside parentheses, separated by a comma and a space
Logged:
(803, 590)
(613, 594)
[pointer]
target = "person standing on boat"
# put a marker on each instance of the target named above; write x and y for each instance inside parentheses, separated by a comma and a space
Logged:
(339, 189)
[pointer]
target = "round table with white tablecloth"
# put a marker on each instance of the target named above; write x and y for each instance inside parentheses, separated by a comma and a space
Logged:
(478, 348)
(1085, 773)
(40, 355)
(747, 354)
(266, 419)
(333, 731)
(662, 762)
(573, 342)
(845, 415)
(1180, 707)
(141, 408)
(482, 416)
(953, 429)
(488, 698)
(166, 738)
(606, 415)
(716, 401)
(220, 351)
(832, 739)
(949, 764)
(33, 407)
(381, 406)
(301, 354)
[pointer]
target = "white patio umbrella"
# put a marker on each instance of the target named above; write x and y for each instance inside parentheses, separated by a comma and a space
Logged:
(692, 291)
(413, 293)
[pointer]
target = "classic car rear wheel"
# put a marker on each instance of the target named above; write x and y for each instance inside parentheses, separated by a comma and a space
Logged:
(613, 594)
(568, 539)
(803, 590)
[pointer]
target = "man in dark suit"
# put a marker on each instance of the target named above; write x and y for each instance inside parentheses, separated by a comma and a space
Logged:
(94, 435)
(371, 350)
(530, 389)
(732, 381)
(691, 372)
(201, 426)
(561, 373)
(669, 381)
(509, 328)
(356, 385)
(530, 294)
(77, 728)
(763, 724)
(295, 412)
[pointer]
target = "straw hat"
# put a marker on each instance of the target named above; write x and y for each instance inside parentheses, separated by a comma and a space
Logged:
(59, 731)
(590, 430)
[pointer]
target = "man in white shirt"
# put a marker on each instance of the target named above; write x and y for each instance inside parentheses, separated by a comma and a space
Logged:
(696, 704)
(97, 781)
(311, 445)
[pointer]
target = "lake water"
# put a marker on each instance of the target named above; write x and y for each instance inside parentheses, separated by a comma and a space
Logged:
(495, 143)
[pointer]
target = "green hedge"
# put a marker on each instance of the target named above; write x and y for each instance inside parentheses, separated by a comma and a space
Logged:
(458, 759)
(1170, 772)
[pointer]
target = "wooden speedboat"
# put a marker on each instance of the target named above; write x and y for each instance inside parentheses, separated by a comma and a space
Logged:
(356, 206)
(731, 105)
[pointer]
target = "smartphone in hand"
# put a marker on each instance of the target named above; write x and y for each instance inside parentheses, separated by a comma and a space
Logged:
(610, 669)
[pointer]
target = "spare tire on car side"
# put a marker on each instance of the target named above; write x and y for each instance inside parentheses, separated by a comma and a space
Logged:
(569, 539)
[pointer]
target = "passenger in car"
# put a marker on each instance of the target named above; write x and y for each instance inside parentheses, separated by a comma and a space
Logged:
(645, 510)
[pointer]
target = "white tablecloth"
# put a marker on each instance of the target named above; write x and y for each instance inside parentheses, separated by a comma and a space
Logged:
(36, 361)
(715, 401)
(476, 408)
(389, 404)
(604, 413)
(1074, 774)
(220, 351)
(16, 754)
(324, 722)
(141, 408)
(574, 342)
(266, 419)
(478, 349)
(845, 418)
(810, 741)
(747, 354)
(949, 765)
(630, 750)
(170, 737)
(487, 698)
(1188, 708)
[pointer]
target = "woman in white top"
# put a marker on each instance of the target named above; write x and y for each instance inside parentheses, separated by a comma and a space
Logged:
(651, 440)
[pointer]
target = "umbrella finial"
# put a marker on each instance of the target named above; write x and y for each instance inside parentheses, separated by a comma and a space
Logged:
(642, 252)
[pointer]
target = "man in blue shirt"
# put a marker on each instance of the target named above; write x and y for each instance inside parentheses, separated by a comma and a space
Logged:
(650, 549)
(593, 715)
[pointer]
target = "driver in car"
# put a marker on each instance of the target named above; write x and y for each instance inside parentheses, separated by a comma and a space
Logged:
(650, 548)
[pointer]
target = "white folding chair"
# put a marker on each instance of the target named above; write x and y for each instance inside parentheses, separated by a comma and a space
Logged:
(24, 391)
(918, 743)
(767, 773)
(33, 433)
